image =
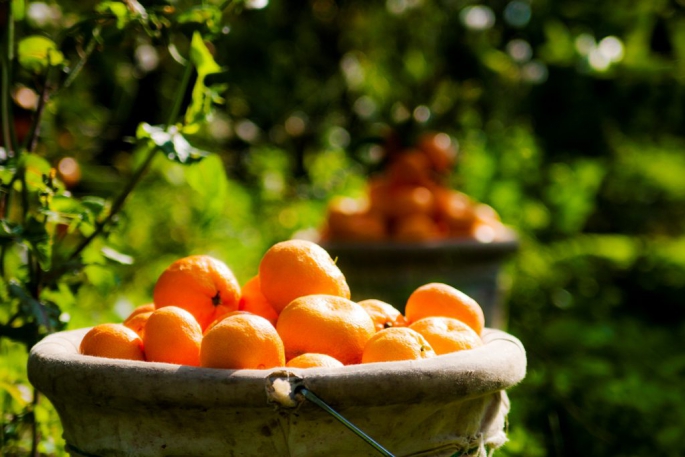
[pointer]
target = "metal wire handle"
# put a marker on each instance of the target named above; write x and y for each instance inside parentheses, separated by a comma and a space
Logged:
(309, 395)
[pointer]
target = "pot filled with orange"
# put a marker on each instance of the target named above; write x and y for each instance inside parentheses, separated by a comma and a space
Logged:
(213, 368)
(411, 227)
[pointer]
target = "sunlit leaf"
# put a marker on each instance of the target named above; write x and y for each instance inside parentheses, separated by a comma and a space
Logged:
(15, 392)
(202, 95)
(206, 15)
(116, 256)
(172, 143)
(208, 178)
(37, 53)
(118, 10)
(19, 9)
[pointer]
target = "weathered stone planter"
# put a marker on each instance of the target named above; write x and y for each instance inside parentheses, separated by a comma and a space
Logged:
(391, 271)
(433, 407)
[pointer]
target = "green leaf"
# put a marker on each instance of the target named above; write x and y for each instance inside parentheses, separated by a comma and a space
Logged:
(206, 15)
(39, 241)
(14, 392)
(116, 256)
(201, 57)
(30, 306)
(36, 168)
(172, 143)
(208, 179)
(202, 95)
(118, 10)
(19, 9)
(9, 232)
(37, 53)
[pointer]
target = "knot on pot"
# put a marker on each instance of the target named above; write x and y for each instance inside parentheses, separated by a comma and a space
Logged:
(282, 389)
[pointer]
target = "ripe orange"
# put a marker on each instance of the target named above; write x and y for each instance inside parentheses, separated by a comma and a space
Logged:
(114, 341)
(311, 360)
(232, 313)
(416, 227)
(438, 299)
(408, 200)
(242, 341)
(383, 314)
(446, 334)
(172, 335)
(253, 300)
(397, 343)
(146, 308)
(456, 209)
(294, 268)
(137, 321)
(200, 284)
(354, 222)
(325, 324)
(440, 149)
(487, 226)
(410, 167)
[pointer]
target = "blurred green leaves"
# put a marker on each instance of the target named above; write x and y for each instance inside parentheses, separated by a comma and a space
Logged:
(203, 95)
(38, 53)
(171, 142)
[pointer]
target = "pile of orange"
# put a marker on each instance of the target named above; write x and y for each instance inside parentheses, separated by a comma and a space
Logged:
(295, 312)
(409, 201)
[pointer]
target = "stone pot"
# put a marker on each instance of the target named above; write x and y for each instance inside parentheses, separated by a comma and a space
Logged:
(391, 271)
(433, 407)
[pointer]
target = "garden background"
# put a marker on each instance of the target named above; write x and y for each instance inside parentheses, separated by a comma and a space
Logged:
(569, 117)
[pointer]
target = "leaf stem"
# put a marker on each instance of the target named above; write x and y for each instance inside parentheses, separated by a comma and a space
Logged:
(178, 101)
(118, 203)
(7, 58)
(84, 58)
(151, 153)
(32, 139)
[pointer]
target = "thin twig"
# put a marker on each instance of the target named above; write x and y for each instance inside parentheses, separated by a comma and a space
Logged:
(34, 425)
(32, 139)
(176, 107)
(84, 58)
(118, 203)
(7, 58)
(151, 153)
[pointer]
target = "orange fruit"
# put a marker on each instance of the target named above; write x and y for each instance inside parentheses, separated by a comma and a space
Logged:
(137, 321)
(295, 268)
(416, 227)
(406, 200)
(146, 308)
(311, 360)
(440, 149)
(410, 167)
(383, 314)
(232, 313)
(395, 344)
(456, 209)
(351, 220)
(200, 284)
(358, 227)
(446, 334)
(438, 299)
(325, 324)
(242, 341)
(487, 226)
(172, 335)
(253, 300)
(114, 341)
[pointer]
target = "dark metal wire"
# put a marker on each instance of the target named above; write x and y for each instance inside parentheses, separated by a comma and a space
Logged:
(309, 395)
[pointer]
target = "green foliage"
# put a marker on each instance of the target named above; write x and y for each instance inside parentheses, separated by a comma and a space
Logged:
(37, 54)
(569, 120)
